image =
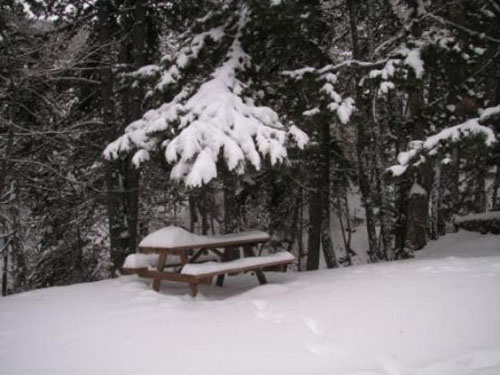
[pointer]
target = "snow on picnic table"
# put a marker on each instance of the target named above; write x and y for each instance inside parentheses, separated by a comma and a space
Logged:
(209, 267)
(438, 314)
(172, 237)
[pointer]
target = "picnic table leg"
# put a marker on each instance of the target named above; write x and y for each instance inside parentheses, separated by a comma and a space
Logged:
(160, 266)
(248, 251)
(220, 278)
(226, 256)
(194, 289)
(193, 285)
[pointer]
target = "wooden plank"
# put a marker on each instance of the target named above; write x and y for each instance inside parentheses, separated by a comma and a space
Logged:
(206, 280)
(194, 289)
(160, 266)
(132, 271)
(169, 276)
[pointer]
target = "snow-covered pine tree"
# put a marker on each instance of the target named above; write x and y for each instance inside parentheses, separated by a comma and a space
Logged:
(211, 117)
(207, 119)
(447, 57)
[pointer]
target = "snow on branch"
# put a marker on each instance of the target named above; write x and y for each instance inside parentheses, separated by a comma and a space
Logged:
(433, 144)
(298, 74)
(342, 107)
(188, 54)
(489, 113)
(194, 129)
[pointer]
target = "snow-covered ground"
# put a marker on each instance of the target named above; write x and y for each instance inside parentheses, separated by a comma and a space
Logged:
(438, 314)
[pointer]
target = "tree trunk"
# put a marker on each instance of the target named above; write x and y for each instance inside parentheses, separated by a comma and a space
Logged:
(384, 246)
(232, 222)
(117, 229)
(203, 208)
(131, 173)
(362, 140)
(314, 233)
(435, 204)
(418, 207)
(324, 181)
(5, 270)
(193, 217)
(496, 185)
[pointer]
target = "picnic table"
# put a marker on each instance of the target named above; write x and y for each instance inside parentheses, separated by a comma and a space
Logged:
(199, 258)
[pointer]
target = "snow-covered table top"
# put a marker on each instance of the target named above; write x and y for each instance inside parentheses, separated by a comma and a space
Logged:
(176, 238)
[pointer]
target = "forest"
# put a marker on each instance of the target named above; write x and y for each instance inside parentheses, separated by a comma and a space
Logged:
(351, 131)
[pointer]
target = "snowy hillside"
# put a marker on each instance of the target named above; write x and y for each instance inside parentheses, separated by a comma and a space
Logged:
(435, 315)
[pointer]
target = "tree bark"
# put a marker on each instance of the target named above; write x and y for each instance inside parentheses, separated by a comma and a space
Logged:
(232, 222)
(326, 238)
(117, 228)
(314, 233)
(132, 175)
(418, 206)
(435, 204)
(362, 140)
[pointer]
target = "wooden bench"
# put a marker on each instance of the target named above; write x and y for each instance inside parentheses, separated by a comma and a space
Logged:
(203, 273)
(135, 263)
